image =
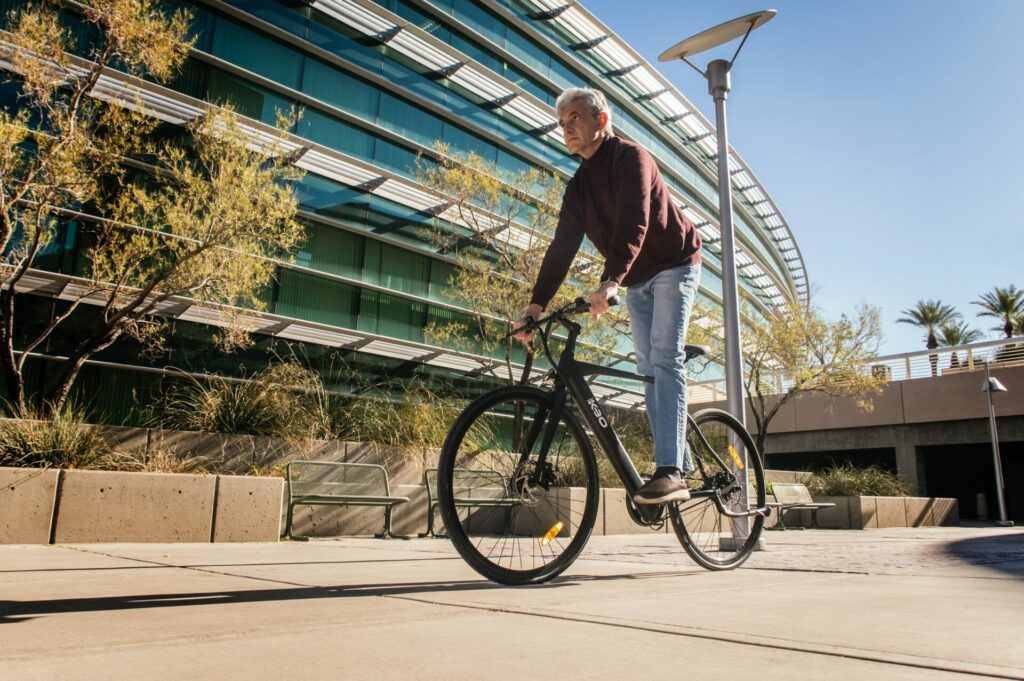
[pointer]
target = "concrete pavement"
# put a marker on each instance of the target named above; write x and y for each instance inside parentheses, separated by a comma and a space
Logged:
(930, 603)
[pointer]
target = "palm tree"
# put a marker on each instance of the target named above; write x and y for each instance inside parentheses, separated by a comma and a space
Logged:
(952, 334)
(930, 314)
(1005, 304)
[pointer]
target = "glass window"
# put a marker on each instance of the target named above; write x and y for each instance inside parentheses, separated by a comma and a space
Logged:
(332, 250)
(304, 296)
(396, 268)
(292, 17)
(336, 134)
(254, 52)
(408, 120)
(333, 199)
(248, 99)
(391, 316)
(339, 89)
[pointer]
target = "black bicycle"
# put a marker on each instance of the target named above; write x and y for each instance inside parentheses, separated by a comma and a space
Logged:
(518, 483)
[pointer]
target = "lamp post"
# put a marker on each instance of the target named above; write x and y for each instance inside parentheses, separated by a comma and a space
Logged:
(992, 385)
(717, 75)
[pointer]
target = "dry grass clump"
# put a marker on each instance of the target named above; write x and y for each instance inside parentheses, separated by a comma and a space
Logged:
(63, 441)
(847, 480)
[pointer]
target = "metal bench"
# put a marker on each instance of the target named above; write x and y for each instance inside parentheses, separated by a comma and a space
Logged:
(472, 489)
(324, 483)
(795, 496)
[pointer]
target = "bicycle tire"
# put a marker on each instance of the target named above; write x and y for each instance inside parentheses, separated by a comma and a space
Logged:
(707, 535)
(506, 528)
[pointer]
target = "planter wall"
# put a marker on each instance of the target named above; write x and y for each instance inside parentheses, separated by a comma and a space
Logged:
(81, 506)
(860, 513)
(26, 505)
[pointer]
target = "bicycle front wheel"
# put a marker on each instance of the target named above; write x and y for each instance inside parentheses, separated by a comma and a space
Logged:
(518, 494)
(723, 455)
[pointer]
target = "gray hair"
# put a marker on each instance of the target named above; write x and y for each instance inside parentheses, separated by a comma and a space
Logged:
(594, 99)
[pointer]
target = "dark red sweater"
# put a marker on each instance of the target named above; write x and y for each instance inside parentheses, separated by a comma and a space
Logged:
(618, 199)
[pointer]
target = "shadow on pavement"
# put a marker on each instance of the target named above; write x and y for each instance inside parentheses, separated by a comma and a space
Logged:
(1002, 553)
(19, 611)
(15, 611)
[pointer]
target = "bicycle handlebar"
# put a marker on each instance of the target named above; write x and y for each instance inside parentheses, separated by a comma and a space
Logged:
(578, 306)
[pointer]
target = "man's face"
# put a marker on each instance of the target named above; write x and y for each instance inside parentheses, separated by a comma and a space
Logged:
(582, 131)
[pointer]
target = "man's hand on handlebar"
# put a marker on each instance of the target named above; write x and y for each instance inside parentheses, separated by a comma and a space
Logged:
(599, 299)
(519, 332)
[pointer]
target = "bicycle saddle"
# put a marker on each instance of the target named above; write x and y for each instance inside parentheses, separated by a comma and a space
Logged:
(695, 351)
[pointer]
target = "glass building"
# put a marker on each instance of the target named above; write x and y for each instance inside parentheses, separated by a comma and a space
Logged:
(379, 83)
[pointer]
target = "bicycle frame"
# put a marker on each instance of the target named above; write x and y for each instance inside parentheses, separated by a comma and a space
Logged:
(570, 376)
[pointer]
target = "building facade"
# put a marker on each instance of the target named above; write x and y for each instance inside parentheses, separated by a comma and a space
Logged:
(381, 82)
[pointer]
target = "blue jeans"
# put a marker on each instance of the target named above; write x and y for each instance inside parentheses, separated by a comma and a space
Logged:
(659, 312)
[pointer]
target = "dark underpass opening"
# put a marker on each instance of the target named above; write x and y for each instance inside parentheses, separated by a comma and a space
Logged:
(965, 471)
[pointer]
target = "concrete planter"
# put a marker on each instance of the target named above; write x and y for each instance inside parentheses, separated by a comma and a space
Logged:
(84, 506)
(862, 512)
(27, 496)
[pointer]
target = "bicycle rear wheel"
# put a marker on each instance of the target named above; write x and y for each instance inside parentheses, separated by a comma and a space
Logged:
(714, 540)
(517, 511)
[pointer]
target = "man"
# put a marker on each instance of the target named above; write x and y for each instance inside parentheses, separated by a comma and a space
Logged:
(618, 199)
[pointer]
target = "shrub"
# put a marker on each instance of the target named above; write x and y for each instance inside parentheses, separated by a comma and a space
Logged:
(848, 480)
(154, 461)
(63, 441)
(284, 400)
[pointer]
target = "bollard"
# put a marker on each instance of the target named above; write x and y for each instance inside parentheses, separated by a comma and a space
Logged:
(981, 504)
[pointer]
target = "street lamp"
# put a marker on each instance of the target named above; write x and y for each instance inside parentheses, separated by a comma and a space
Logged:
(992, 385)
(717, 75)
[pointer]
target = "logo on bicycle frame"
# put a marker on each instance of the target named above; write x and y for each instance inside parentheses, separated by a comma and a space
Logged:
(597, 412)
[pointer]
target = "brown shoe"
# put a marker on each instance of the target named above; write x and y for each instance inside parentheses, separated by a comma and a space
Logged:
(662, 488)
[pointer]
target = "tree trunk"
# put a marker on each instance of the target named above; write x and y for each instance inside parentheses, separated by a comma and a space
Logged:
(13, 377)
(57, 396)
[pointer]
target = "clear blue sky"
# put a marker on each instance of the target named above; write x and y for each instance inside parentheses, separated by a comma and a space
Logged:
(890, 134)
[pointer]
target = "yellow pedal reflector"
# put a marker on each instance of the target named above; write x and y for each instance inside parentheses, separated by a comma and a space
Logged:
(735, 458)
(552, 533)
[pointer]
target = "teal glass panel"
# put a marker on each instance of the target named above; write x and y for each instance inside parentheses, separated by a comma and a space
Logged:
(336, 134)
(248, 99)
(292, 17)
(394, 157)
(332, 35)
(391, 316)
(394, 219)
(193, 80)
(408, 120)
(711, 282)
(304, 296)
(333, 199)
(396, 268)
(440, 274)
(332, 250)
(480, 21)
(529, 53)
(462, 141)
(448, 319)
(257, 53)
(339, 89)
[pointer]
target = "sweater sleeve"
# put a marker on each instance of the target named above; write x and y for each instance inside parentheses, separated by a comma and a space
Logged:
(634, 173)
(561, 251)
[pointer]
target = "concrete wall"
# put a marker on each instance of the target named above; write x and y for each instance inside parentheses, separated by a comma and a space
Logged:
(907, 415)
(952, 397)
(27, 497)
(82, 506)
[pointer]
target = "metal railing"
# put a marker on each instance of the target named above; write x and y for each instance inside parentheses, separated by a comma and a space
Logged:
(905, 366)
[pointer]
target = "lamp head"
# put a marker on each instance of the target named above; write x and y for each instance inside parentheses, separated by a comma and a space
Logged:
(718, 35)
(992, 385)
